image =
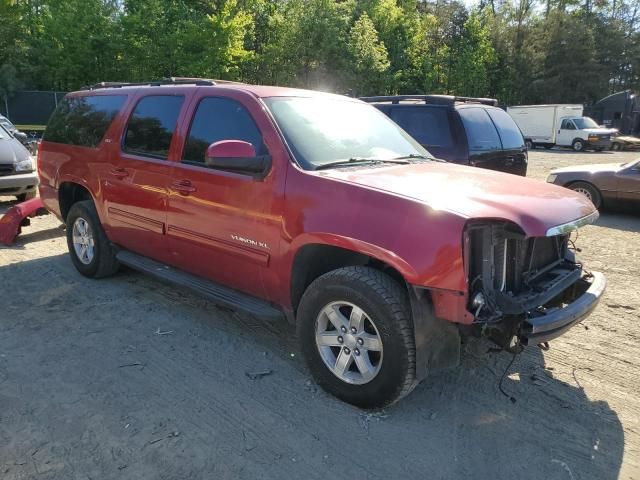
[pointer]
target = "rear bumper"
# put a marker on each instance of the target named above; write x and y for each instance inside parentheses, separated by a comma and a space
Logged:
(18, 184)
(540, 329)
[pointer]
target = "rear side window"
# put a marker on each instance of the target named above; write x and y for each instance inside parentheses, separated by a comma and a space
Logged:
(428, 125)
(509, 132)
(219, 119)
(152, 124)
(83, 121)
(481, 133)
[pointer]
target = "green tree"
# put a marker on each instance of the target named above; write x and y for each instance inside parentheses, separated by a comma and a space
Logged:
(369, 58)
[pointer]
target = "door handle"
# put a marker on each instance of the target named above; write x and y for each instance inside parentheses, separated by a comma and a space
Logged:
(119, 172)
(183, 187)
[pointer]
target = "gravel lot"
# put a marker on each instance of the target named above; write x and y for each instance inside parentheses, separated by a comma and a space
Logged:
(129, 378)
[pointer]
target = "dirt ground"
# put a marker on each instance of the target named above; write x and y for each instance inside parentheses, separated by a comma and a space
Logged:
(129, 378)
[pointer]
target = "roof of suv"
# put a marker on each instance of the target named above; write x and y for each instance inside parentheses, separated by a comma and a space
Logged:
(444, 100)
(261, 91)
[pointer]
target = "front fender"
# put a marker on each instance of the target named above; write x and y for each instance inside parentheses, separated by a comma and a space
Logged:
(357, 246)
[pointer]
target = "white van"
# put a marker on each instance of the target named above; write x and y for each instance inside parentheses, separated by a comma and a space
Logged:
(561, 125)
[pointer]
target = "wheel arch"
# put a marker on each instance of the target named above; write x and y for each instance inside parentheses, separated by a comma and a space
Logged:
(319, 255)
(71, 191)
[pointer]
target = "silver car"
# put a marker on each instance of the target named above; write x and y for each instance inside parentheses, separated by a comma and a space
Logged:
(18, 175)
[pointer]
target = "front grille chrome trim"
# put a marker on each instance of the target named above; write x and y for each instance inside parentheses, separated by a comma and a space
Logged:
(573, 225)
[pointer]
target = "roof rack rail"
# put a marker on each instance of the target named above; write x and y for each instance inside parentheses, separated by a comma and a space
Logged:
(431, 99)
(157, 83)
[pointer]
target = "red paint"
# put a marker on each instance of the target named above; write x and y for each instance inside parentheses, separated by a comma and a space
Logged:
(12, 219)
(245, 232)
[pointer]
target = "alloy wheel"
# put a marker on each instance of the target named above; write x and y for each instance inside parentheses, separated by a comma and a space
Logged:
(349, 342)
(83, 242)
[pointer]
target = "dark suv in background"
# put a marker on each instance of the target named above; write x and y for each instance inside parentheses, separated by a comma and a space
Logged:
(464, 130)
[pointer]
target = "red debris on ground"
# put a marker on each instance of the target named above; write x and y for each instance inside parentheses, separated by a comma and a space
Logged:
(12, 220)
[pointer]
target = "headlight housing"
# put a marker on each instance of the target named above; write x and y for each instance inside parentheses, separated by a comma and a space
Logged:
(26, 165)
(552, 178)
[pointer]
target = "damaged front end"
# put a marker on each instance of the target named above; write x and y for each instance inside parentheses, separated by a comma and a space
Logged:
(525, 290)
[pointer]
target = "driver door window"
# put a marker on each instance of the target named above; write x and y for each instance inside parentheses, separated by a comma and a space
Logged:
(219, 119)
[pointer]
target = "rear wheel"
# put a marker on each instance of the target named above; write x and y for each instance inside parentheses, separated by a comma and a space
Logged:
(356, 335)
(589, 191)
(578, 145)
(91, 252)
(529, 144)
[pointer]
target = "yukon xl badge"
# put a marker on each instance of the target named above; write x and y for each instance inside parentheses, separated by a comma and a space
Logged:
(249, 241)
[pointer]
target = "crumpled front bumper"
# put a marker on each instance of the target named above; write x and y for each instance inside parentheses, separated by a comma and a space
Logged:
(546, 327)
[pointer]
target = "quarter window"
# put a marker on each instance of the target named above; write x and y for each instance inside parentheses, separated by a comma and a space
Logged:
(83, 121)
(219, 119)
(509, 132)
(152, 124)
(481, 133)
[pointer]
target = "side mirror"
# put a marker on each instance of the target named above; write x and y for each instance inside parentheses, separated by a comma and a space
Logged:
(237, 156)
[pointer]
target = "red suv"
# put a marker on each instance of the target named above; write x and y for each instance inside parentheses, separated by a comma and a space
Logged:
(316, 207)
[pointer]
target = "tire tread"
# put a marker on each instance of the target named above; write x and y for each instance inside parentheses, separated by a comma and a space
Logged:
(396, 299)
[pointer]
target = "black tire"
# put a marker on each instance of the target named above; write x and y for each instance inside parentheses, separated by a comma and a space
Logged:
(578, 145)
(23, 197)
(104, 261)
(387, 303)
(588, 190)
(529, 144)
(616, 146)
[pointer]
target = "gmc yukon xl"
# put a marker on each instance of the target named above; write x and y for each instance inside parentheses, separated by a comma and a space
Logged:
(317, 208)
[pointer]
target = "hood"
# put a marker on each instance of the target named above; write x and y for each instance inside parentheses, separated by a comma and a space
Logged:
(12, 151)
(595, 168)
(473, 193)
(600, 131)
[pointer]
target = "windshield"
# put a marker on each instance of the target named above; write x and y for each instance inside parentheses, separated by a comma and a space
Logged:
(322, 130)
(585, 122)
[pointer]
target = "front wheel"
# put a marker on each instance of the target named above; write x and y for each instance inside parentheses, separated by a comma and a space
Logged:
(356, 335)
(91, 252)
(589, 191)
(578, 145)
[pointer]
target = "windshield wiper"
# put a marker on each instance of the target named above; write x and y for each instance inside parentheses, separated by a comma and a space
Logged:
(419, 157)
(412, 155)
(355, 160)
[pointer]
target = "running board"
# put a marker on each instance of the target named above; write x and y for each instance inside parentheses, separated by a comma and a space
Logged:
(218, 294)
